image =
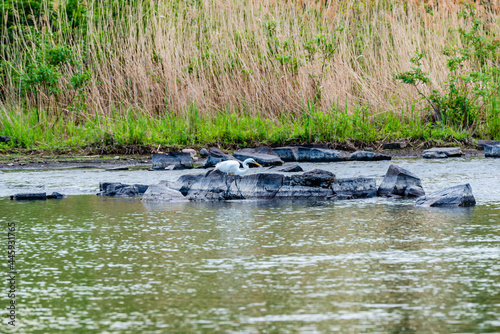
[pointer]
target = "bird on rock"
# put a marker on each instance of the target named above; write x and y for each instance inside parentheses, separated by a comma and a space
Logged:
(232, 167)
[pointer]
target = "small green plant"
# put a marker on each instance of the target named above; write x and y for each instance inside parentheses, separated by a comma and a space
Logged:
(462, 101)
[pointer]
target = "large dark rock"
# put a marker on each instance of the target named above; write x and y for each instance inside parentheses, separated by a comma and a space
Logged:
(263, 155)
(163, 193)
(306, 154)
(481, 143)
(4, 139)
(179, 160)
(216, 186)
(442, 153)
(450, 197)
(400, 182)
(492, 151)
(118, 189)
(29, 196)
(368, 156)
(287, 153)
(291, 169)
(215, 156)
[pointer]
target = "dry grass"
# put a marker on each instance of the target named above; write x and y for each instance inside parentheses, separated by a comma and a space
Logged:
(252, 56)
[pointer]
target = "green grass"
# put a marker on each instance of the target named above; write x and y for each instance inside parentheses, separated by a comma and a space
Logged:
(40, 130)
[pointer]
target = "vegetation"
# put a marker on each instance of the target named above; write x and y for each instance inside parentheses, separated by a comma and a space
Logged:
(183, 72)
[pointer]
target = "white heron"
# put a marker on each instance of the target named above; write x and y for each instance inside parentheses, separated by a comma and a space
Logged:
(232, 167)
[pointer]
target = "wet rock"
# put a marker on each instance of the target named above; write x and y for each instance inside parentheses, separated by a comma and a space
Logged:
(368, 156)
(306, 154)
(450, 197)
(263, 155)
(492, 151)
(160, 192)
(180, 159)
(203, 153)
(291, 169)
(4, 139)
(29, 196)
(56, 195)
(216, 186)
(481, 143)
(192, 152)
(215, 156)
(400, 182)
(287, 153)
(114, 169)
(442, 152)
(394, 146)
(117, 189)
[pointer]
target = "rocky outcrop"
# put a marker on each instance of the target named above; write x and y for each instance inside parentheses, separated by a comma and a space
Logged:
(492, 151)
(442, 153)
(215, 156)
(218, 186)
(368, 156)
(263, 155)
(291, 169)
(306, 154)
(287, 153)
(450, 197)
(180, 160)
(481, 143)
(117, 189)
(36, 196)
(400, 182)
(163, 193)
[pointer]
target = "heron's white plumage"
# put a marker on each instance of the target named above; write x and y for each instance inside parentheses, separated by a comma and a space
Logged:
(233, 167)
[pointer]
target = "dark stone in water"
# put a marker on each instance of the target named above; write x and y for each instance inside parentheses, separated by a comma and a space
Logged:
(56, 195)
(482, 143)
(442, 153)
(263, 155)
(291, 169)
(215, 156)
(492, 151)
(287, 153)
(306, 154)
(368, 156)
(118, 189)
(400, 182)
(450, 197)
(179, 159)
(216, 186)
(29, 196)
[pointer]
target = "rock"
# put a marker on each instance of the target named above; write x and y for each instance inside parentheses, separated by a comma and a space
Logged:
(29, 196)
(306, 154)
(394, 146)
(492, 151)
(203, 153)
(368, 149)
(179, 159)
(263, 155)
(192, 152)
(450, 197)
(400, 182)
(288, 153)
(216, 186)
(215, 156)
(368, 156)
(442, 152)
(56, 195)
(481, 143)
(113, 169)
(4, 139)
(291, 169)
(118, 189)
(159, 192)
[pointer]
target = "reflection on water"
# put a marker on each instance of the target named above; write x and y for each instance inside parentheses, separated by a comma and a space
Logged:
(93, 265)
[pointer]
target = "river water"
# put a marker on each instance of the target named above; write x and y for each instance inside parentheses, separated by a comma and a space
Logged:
(87, 264)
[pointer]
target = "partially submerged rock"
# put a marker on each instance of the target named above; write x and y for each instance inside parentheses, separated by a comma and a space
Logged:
(180, 160)
(218, 186)
(450, 197)
(36, 196)
(400, 182)
(442, 153)
(118, 189)
(291, 169)
(306, 154)
(163, 193)
(215, 156)
(482, 143)
(492, 151)
(368, 156)
(287, 153)
(263, 155)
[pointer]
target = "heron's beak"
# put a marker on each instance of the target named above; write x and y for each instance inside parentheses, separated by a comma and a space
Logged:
(257, 164)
